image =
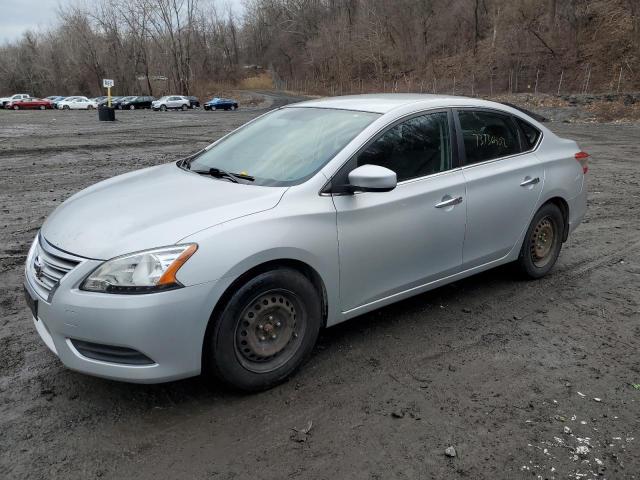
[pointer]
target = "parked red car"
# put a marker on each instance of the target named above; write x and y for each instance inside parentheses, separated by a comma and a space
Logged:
(25, 103)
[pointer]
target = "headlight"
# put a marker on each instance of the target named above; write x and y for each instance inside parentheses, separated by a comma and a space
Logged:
(141, 272)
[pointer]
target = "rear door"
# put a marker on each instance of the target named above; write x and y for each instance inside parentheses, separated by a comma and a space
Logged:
(504, 180)
(391, 242)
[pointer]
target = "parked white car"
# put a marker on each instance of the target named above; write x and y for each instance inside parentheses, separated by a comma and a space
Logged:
(77, 103)
(171, 101)
(4, 101)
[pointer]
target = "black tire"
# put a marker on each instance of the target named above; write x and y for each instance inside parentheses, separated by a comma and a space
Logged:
(184, 108)
(235, 107)
(42, 107)
(16, 107)
(542, 243)
(163, 108)
(66, 107)
(282, 305)
(132, 107)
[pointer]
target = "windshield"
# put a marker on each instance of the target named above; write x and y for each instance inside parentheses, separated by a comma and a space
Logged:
(285, 147)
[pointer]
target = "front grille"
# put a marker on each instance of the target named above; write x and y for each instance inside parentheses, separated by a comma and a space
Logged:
(47, 266)
(111, 354)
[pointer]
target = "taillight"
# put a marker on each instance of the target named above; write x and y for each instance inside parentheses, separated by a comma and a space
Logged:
(583, 159)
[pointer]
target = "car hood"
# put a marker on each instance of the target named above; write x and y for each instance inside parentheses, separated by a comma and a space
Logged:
(150, 208)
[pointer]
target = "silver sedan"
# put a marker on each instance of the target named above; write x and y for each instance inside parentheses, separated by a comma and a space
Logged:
(231, 261)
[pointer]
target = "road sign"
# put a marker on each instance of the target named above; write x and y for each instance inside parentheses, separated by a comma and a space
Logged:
(108, 83)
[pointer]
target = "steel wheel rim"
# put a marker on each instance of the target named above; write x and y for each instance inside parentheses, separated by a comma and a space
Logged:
(542, 242)
(269, 331)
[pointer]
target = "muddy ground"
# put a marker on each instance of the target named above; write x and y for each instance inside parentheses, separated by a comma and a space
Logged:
(506, 371)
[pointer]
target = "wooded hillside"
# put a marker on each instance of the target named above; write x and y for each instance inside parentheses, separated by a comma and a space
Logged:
(334, 46)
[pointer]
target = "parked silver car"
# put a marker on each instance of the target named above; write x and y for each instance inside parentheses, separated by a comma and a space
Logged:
(171, 102)
(231, 261)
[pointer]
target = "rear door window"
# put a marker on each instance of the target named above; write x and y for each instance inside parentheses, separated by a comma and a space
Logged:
(488, 135)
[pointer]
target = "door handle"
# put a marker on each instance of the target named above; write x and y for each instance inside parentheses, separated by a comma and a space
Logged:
(449, 202)
(530, 181)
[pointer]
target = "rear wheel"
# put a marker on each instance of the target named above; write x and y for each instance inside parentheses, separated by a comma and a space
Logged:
(132, 107)
(265, 331)
(41, 107)
(90, 107)
(543, 242)
(184, 107)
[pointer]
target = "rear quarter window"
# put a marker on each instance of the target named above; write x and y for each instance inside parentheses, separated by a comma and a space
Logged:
(530, 134)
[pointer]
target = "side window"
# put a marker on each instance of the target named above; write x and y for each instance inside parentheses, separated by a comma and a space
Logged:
(417, 147)
(488, 135)
(531, 133)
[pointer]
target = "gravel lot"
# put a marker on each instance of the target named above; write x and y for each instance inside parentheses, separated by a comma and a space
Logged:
(506, 371)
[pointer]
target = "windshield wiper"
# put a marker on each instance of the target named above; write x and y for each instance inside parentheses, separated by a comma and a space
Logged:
(214, 171)
(219, 173)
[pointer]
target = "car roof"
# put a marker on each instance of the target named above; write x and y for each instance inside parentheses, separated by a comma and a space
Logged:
(386, 102)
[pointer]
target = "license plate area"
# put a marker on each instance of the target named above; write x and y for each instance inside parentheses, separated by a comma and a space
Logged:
(32, 303)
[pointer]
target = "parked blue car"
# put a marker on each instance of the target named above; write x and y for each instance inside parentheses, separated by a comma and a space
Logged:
(220, 104)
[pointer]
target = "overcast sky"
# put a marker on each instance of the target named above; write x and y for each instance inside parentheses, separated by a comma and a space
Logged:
(17, 16)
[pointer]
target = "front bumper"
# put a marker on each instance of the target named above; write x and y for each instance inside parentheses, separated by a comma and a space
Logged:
(168, 327)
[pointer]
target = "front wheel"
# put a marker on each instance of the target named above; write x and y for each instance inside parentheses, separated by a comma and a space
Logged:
(132, 107)
(41, 107)
(66, 107)
(542, 243)
(163, 108)
(16, 107)
(265, 331)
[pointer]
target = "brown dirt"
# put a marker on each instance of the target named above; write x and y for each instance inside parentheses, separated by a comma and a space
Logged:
(495, 366)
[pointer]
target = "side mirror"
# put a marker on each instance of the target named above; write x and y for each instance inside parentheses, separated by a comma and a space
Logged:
(372, 178)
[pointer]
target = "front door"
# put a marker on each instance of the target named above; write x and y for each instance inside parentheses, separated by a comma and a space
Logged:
(390, 242)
